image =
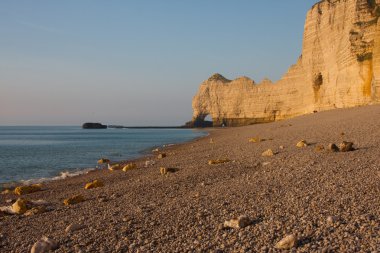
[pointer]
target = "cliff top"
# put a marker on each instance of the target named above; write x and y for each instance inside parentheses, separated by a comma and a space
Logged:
(218, 77)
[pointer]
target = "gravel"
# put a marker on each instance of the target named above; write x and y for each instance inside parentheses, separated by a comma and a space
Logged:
(329, 201)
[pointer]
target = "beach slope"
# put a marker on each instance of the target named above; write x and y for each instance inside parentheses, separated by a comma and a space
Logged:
(329, 201)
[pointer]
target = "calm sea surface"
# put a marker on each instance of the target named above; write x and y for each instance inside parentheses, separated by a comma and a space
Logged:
(47, 152)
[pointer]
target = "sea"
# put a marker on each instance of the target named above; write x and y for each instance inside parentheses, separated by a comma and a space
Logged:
(40, 153)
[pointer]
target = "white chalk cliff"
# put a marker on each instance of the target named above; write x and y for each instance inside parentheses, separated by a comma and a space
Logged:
(339, 68)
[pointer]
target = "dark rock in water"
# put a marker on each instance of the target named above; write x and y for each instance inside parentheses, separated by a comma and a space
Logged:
(93, 126)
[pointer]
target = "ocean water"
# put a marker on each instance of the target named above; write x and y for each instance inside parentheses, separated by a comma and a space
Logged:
(39, 153)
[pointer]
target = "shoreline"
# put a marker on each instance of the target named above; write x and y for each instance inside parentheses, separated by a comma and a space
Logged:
(328, 201)
(69, 173)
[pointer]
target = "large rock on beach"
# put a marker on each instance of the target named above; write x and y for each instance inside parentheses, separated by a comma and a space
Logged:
(94, 184)
(73, 200)
(20, 206)
(21, 190)
(129, 166)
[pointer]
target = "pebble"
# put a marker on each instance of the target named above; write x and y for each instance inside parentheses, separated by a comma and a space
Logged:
(73, 200)
(35, 210)
(319, 148)
(94, 184)
(102, 199)
(161, 156)
(268, 153)
(218, 161)
(332, 147)
(73, 227)
(241, 222)
(302, 144)
(164, 170)
(331, 220)
(6, 191)
(44, 245)
(149, 163)
(287, 242)
(130, 166)
(346, 146)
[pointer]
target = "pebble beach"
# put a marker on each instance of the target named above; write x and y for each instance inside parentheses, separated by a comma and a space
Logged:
(222, 193)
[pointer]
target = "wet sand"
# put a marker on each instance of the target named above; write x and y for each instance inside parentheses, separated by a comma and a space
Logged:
(329, 201)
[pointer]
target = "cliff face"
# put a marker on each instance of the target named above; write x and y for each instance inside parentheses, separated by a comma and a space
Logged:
(339, 67)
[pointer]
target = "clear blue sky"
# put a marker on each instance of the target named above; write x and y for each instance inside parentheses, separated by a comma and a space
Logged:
(135, 62)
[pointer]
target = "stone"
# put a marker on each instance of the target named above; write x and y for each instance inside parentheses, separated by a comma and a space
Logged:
(156, 150)
(115, 167)
(268, 153)
(94, 184)
(103, 161)
(35, 210)
(161, 156)
(130, 166)
(164, 170)
(346, 146)
(333, 148)
(301, 144)
(287, 242)
(319, 148)
(282, 147)
(73, 200)
(39, 202)
(331, 220)
(256, 139)
(6, 210)
(26, 189)
(20, 206)
(73, 227)
(149, 163)
(349, 67)
(7, 191)
(241, 222)
(44, 245)
(218, 161)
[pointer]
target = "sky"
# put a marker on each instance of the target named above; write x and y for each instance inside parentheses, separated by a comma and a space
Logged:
(135, 62)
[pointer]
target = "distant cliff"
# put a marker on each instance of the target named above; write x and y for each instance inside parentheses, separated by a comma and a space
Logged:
(339, 67)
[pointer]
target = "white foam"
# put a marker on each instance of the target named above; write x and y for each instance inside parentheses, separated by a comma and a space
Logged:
(62, 175)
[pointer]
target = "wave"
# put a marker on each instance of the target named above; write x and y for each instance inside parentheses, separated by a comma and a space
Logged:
(62, 175)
